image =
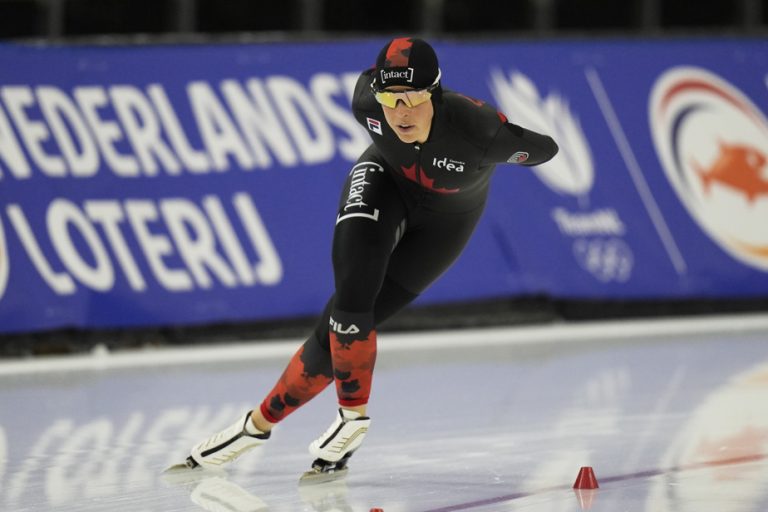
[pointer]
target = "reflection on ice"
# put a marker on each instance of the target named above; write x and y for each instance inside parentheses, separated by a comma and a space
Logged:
(668, 424)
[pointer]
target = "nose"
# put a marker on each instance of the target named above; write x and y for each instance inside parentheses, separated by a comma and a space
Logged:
(402, 109)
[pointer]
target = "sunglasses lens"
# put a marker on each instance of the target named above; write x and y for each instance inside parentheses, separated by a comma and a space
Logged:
(388, 99)
(419, 97)
(410, 98)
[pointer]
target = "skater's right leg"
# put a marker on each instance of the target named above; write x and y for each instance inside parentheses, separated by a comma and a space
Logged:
(307, 374)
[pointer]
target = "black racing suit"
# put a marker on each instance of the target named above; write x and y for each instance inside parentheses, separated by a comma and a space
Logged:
(405, 214)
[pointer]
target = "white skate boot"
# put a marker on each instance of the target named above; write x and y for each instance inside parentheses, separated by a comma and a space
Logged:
(227, 445)
(334, 448)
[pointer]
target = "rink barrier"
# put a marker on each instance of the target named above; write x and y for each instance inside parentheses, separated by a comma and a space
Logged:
(147, 186)
(100, 358)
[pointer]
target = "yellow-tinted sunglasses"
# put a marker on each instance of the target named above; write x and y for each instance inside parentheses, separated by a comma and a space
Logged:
(411, 98)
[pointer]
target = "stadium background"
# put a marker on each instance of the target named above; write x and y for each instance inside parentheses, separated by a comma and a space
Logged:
(114, 23)
(205, 19)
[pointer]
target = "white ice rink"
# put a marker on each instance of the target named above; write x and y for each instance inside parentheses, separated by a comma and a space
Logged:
(672, 415)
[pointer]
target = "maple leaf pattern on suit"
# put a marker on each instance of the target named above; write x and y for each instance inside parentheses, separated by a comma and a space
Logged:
(420, 177)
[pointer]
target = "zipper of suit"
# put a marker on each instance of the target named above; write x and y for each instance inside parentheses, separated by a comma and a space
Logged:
(424, 192)
(417, 148)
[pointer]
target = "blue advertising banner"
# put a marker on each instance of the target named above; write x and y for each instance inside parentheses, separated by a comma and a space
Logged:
(171, 185)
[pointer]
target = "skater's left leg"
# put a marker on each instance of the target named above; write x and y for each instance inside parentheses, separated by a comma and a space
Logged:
(361, 251)
(370, 221)
(421, 256)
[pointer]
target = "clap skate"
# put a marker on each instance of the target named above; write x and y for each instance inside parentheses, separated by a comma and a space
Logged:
(335, 447)
(223, 447)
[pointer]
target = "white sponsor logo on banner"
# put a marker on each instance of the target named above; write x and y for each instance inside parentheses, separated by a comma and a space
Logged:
(570, 173)
(50, 134)
(132, 131)
(90, 246)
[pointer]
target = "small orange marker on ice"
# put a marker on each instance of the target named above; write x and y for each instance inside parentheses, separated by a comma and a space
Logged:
(586, 479)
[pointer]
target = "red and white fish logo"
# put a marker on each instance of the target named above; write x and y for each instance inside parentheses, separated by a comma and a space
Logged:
(712, 142)
(738, 167)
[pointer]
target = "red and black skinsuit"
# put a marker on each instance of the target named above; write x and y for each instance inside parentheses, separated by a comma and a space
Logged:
(405, 214)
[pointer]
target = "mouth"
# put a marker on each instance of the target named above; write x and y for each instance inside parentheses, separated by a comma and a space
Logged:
(405, 128)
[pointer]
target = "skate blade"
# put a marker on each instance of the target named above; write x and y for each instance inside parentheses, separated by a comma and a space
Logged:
(181, 474)
(187, 465)
(314, 477)
(179, 468)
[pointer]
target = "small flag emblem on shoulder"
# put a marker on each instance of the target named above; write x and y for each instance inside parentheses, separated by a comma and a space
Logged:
(519, 157)
(374, 125)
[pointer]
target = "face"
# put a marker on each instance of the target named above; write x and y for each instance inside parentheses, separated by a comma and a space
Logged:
(410, 124)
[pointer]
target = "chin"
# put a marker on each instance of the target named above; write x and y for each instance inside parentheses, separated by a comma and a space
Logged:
(407, 137)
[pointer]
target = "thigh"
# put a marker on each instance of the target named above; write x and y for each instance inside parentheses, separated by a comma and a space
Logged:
(430, 247)
(368, 224)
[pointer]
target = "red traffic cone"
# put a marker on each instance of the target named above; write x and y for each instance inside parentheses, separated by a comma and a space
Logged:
(586, 479)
